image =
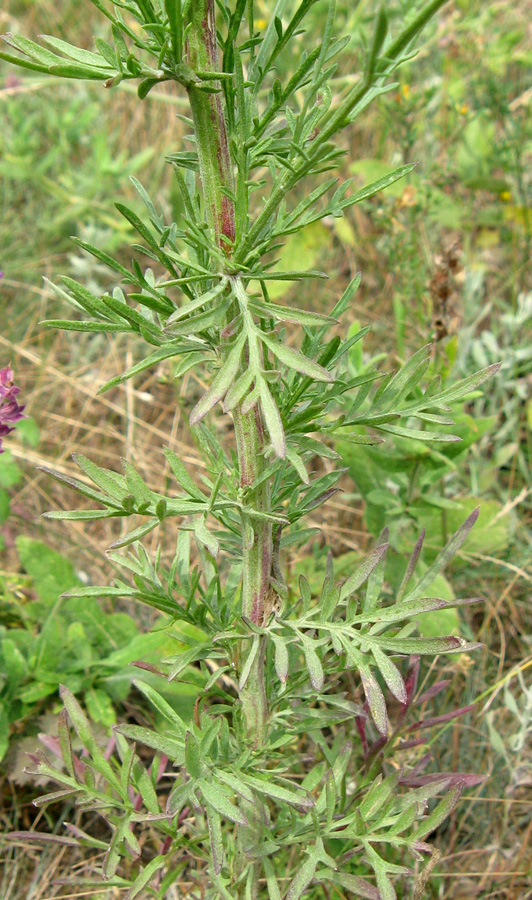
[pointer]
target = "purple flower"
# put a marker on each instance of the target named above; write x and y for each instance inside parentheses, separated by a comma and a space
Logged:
(10, 410)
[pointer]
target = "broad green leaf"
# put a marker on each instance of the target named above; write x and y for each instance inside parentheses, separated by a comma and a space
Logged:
(51, 572)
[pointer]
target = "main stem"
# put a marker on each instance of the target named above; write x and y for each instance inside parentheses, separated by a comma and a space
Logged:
(217, 180)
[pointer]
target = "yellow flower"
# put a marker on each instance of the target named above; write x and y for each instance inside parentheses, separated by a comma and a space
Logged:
(506, 195)
(261, 23)
(405, 90)
(464, 110)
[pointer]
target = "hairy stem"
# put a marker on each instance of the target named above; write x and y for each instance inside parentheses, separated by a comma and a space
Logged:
(217, 179)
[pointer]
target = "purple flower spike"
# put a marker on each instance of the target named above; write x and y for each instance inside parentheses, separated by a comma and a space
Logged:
(10, 410)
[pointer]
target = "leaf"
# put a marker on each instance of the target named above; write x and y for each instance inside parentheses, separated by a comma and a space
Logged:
(170, 747)
(221, 383)
(193, 763)
(108, 481)
(417, 434)
(31, 49)
(82, 56)
(162, 707)
(362, 572)
(293, 359)
(135, 535)
(439, 813)
(248, 664)
(358, 886)
(100, 707)
(451, 549)
(295, 797)
(298, 464)
(391, 674)
(464, 387)
(82, 727)
(218, 800)
(185, 310)
(216, 839)
(291, 314)
(235, 784)
(51, 572)
(272, 417)
(281, 657)
(145, 876)
(314, 665)
(271, 881)
(165, 352)
(182, 477)
(302, 878)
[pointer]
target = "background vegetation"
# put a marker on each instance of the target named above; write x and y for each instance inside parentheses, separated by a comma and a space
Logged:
(445, 257)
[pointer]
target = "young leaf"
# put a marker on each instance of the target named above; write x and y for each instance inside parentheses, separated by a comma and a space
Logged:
(272, 418)
(451, 549)
(281, 657)
(314, 665)
(162, 707)
(250, 659)
(391, 674)
(193, 763)
(221, 383)
(362, 572)
(295, 360)
(216, 839)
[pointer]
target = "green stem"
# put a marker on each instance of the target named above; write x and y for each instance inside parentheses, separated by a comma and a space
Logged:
(217, 179)
(216, 170)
